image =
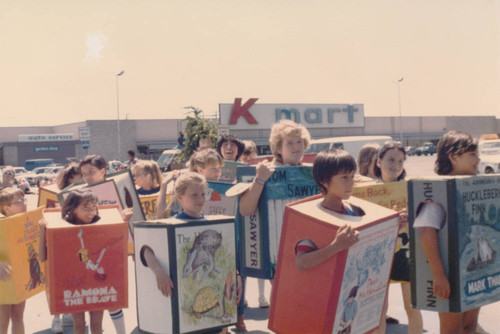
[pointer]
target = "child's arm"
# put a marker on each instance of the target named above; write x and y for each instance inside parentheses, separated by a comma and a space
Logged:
(161, 204)
(5, 270)
(345, 238)
(430, 244)
(127, 214)
(250, 199)
(42, 243)
(163, 281)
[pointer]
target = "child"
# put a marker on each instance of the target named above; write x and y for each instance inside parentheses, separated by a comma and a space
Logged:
(147, 177)
(250, 151)
(333, 172)
(456, 155)
(389, 168)
(65, 177)
(207, 162)
(288, 141)
(93, 169)
(12, 202)
(79, 208)
(161, 203)
(366, 159)
(230, 147)
(9, 180)
(70, 174)
(190, 189)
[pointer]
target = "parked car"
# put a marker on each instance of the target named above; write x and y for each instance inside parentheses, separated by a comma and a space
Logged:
(167, 161)
(20, 171)
(38, 174)
(115, 166)
(426, 149)
(34, 163)
(489, 153)
(410, 150)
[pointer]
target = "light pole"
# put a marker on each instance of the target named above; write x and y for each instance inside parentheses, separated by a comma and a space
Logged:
(118, 114)
(400, 118)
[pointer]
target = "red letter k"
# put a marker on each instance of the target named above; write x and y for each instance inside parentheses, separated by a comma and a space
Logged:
(242, 110)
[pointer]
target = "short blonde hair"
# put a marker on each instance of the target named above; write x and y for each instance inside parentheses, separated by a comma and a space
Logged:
(7, 195)
(287, 128)
(149, 167)
(205, 158)
(187, 179)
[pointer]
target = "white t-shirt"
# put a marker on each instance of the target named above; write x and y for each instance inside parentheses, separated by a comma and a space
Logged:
(432, 215)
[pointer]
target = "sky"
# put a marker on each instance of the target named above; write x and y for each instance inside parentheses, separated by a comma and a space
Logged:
(59, 59)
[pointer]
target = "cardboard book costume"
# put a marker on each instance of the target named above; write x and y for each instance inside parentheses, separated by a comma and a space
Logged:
(86, 264)
(199, 255)
(317, 300)
(469, 241)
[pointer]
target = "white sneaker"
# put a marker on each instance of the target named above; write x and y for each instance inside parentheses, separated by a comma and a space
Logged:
(67, 319)
(56, 325)
(263, 303)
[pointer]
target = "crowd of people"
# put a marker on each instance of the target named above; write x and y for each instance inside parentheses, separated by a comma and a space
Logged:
(335, 173)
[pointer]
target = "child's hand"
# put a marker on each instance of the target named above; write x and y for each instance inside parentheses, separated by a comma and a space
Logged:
(43, 227)
(167, 178)
(346, 237)
(5, 270)
(441, 287)
(127, 214)
(264, 170)
(403, 219)
(164, 283)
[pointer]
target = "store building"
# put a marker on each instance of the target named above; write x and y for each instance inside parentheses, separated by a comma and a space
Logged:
(246, 120)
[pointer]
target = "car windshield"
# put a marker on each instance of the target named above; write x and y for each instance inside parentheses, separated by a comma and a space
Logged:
(490, 148)
(165, 158)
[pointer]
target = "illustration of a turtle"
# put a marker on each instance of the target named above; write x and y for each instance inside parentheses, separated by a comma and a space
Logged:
(205, 299)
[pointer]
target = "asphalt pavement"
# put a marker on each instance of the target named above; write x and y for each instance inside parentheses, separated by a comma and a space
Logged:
(38, 319)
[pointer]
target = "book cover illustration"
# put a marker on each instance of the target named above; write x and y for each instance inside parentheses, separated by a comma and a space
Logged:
(365, 280)
(206, 276)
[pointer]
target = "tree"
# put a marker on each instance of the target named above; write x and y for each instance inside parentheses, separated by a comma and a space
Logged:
(196, 128)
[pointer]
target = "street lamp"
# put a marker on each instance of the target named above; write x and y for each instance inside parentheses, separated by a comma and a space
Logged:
(118, 113)
(400, 118)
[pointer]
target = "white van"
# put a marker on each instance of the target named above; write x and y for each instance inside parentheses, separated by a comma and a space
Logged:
(351, 144)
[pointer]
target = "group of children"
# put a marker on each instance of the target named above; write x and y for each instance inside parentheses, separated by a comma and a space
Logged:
(334, 172)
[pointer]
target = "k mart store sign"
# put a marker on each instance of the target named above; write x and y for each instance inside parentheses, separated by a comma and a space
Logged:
(248, 115)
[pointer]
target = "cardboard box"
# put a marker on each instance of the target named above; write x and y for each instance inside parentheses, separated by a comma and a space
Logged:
(149, 205)
(47, 195)
(217, 203)
(19, 249)
(390, 195)
(229, 171)
(387, 195)
(259, 234)
(469, 242)
(203, 296)
(87, 264)
(312, 301)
